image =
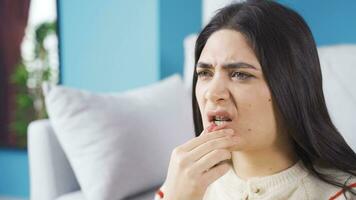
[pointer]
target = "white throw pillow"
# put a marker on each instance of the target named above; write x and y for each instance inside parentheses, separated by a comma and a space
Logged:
(120, 144)
(189, 58)
(338, 63)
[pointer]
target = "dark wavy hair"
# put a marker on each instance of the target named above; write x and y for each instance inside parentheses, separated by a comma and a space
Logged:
(286, 50)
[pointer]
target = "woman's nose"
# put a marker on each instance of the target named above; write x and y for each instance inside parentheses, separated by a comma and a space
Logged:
(217, 91)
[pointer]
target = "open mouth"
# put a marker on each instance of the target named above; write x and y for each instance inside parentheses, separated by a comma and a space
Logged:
(219, 117)
(219, 120)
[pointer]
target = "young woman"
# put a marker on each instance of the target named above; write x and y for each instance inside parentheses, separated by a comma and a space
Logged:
(262, 126)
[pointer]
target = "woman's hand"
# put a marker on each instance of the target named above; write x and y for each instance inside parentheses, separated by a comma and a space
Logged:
(198, 163)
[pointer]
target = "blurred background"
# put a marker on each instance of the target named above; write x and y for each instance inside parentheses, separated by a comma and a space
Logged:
(106, 46)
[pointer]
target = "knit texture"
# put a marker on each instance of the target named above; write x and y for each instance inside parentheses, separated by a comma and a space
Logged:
(294, 183)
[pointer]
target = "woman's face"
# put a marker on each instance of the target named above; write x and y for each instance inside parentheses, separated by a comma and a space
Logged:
(230, 78)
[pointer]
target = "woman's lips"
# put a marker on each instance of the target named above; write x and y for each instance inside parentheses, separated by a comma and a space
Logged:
(222, 123)
(214, 127)
(221, 113)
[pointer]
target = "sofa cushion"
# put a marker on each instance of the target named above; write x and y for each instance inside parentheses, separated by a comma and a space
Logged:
(120, 144)
(338, 64)
(78, 195)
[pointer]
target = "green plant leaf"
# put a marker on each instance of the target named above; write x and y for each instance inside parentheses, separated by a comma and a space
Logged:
(24, 111)
(19, 127)
(20, 75)
(24, 101)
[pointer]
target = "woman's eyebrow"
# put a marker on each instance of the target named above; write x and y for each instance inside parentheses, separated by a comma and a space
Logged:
(236, 65)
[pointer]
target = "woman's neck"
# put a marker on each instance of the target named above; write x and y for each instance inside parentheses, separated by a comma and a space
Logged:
(262, 163)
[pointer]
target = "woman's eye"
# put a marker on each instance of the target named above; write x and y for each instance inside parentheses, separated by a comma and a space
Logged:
(203, 74)
(241, 75)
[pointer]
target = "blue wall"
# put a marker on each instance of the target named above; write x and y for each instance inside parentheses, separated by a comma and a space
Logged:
(124, 44)
(109, 46)
(14, 179)
(178, 19)
(331, 21)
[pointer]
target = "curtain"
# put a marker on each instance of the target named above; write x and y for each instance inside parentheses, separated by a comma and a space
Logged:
(13, 20)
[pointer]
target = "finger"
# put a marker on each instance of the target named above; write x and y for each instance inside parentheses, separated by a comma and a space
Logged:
(210, 160)
(216, 172)
(213, 127)
(218, 143)
(195, 142)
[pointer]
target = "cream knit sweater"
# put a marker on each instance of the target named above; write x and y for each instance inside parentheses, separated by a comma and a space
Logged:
(294, 183)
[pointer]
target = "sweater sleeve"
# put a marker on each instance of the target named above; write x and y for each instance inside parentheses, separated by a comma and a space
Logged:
(157, 197)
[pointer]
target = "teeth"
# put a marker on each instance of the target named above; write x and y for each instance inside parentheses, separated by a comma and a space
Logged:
(217, 122)
(220, 118)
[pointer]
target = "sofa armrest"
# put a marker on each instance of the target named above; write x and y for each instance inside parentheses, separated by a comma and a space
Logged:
(50, 173)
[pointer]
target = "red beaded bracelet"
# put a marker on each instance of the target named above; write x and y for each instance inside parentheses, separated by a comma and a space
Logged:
(160, 193)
